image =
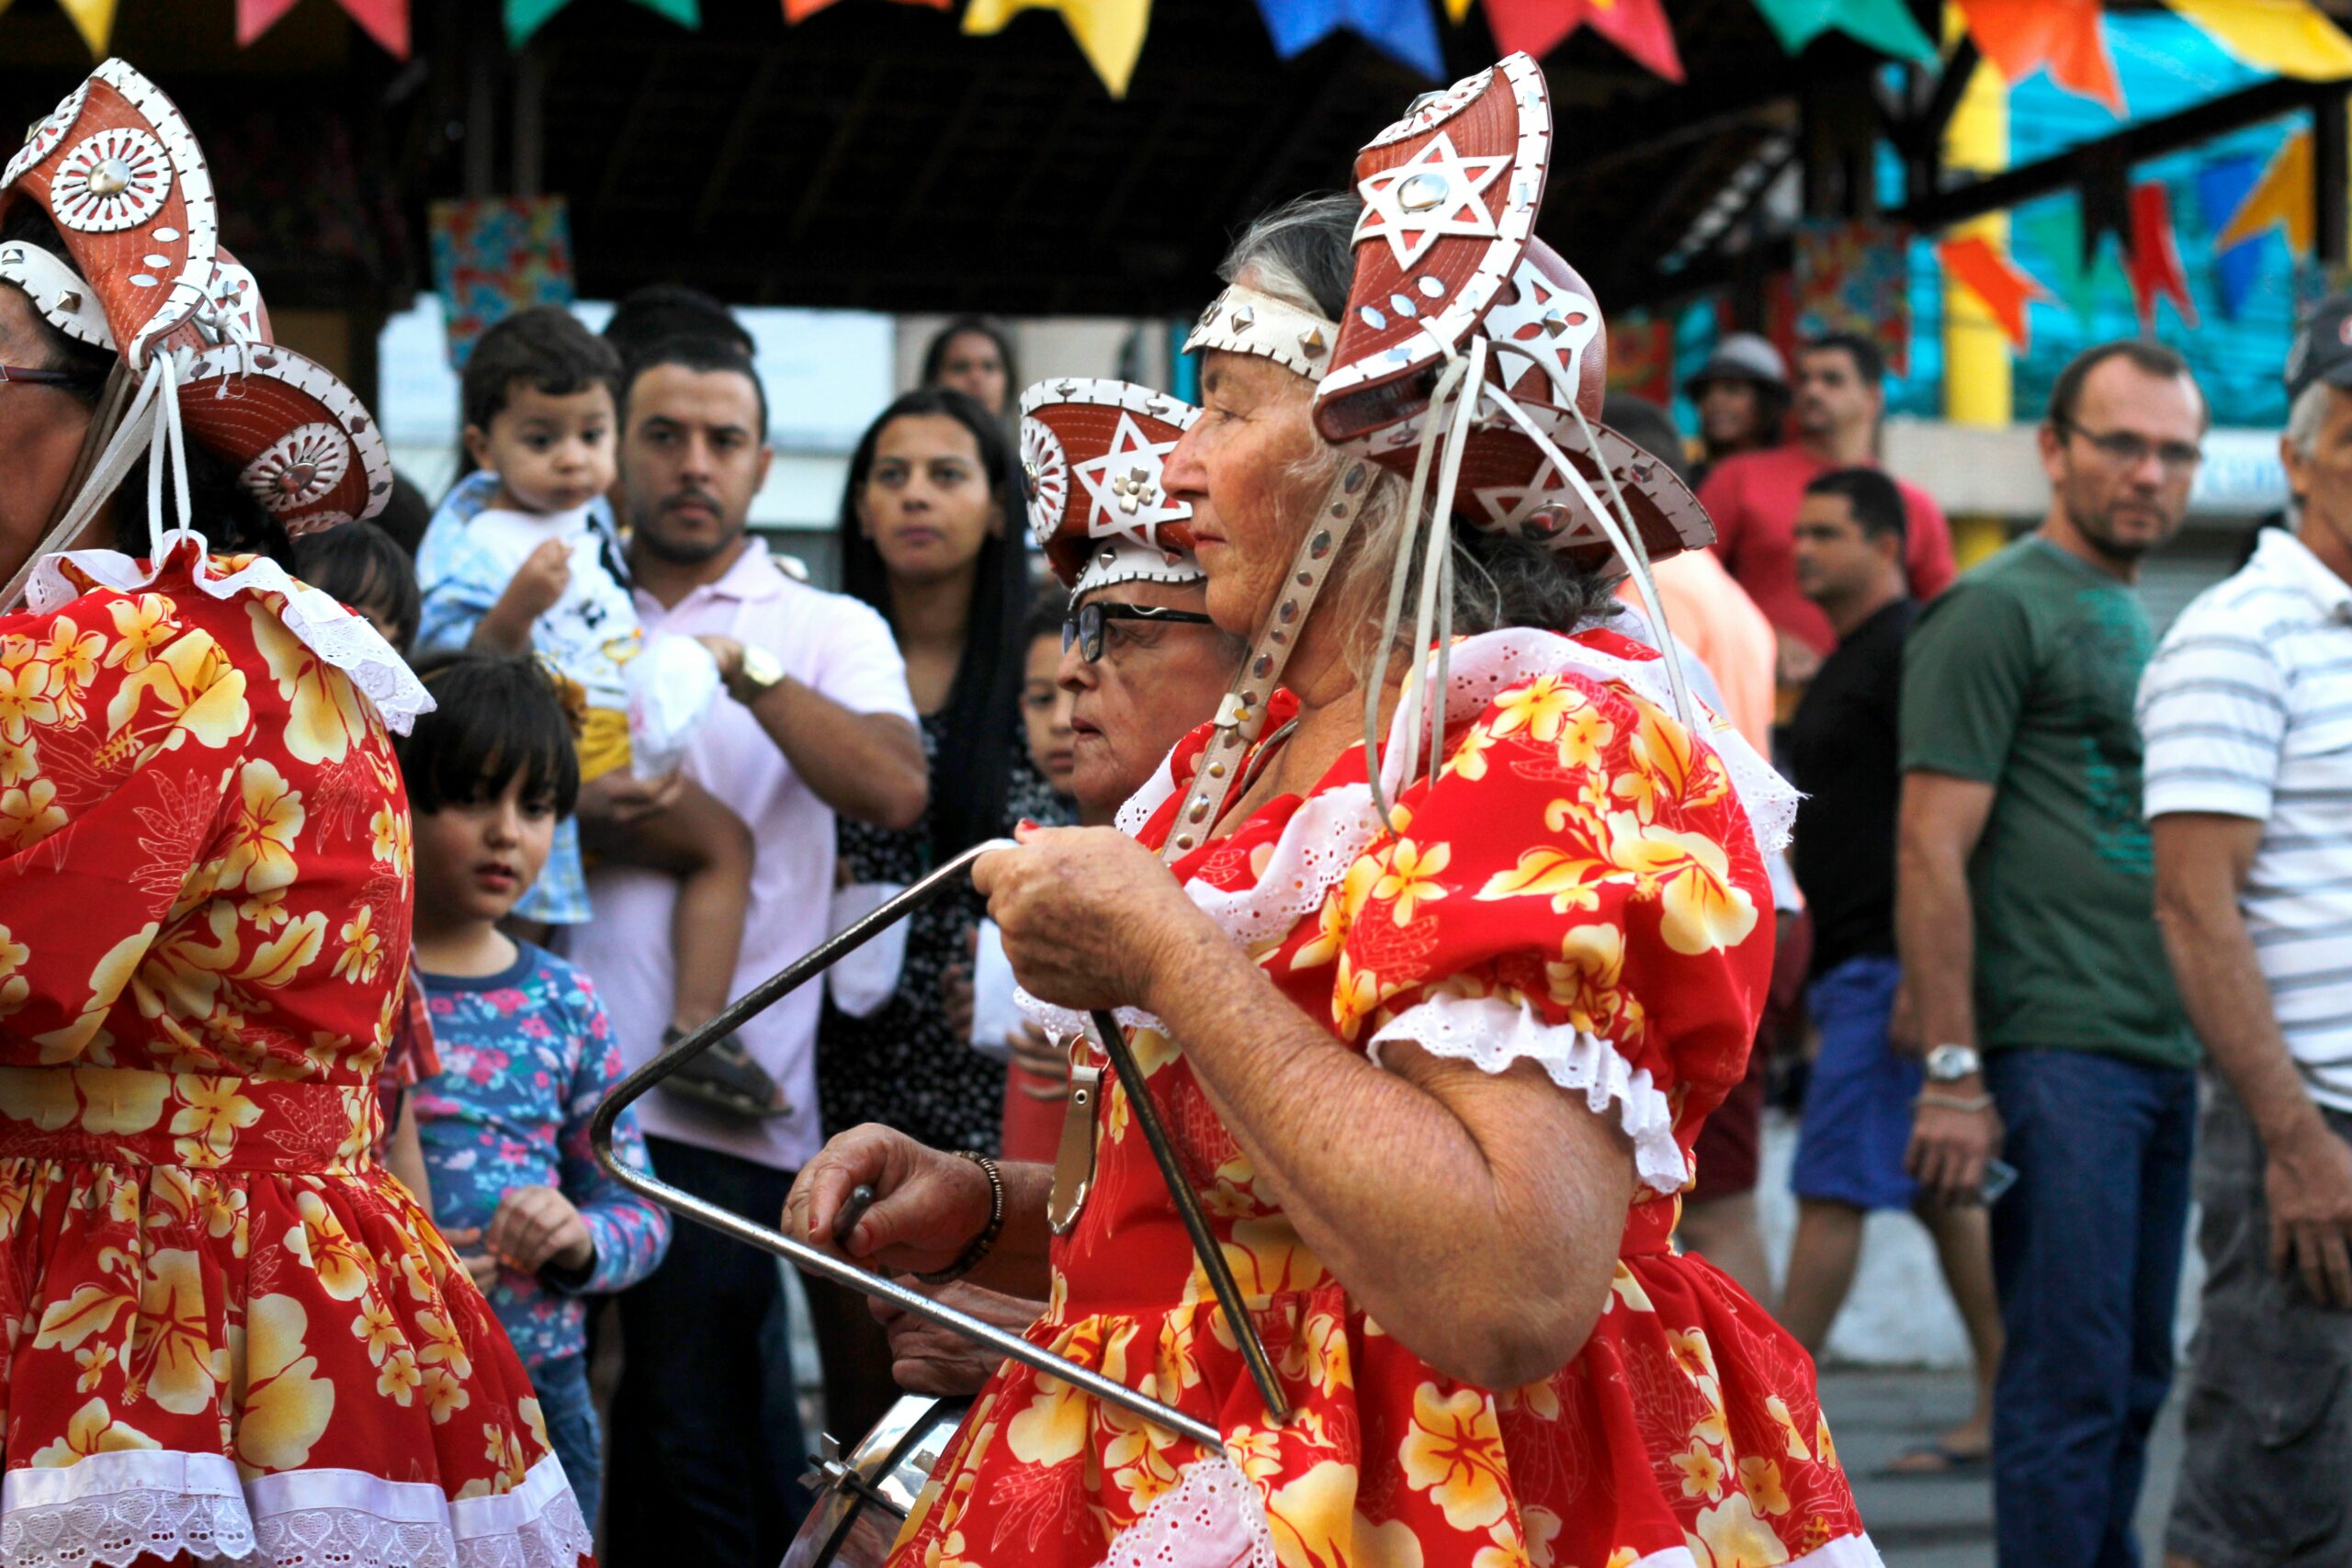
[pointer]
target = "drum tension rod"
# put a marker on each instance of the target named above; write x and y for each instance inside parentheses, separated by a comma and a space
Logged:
(825, 1266)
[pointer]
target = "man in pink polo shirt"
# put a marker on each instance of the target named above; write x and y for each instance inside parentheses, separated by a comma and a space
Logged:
(1753, 498)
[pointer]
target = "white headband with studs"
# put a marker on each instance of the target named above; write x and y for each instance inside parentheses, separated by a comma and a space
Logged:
(58, 292)
(1243, 320)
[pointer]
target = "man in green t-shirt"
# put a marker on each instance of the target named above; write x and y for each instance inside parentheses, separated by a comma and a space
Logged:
(2026, 921)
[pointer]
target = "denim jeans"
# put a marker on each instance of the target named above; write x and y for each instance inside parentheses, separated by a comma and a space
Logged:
(2086, 1251)
(570, 1416)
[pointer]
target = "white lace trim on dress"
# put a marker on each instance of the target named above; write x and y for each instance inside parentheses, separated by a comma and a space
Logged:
(107, 1510)
(1214, 1518)
(326, 628)
(1846, 1551)
(1493, 1033)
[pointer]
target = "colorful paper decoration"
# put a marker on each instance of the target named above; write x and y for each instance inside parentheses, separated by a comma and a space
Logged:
(1109, 32)
(2053, 229)
(1641, 356)
(93, 19)
(495, 256)
(798, 11)
(1978, 265)
(2020, 37)
(386, 21)
(1887, 25)
(1402, 30)
(2293, 38)
(1457, 11)
(2222, 189)
(1538, 26)
(2154, 264)
(525, 17)
(2281, 198)
(1855, 277)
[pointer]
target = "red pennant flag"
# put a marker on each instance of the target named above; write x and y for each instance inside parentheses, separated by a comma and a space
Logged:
(2020, 37)
(1978, 265)
(2154, 264)
(798, 11)
(1537, 26)
(386, 21)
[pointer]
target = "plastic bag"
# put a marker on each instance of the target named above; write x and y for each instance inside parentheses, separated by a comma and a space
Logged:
(672, 682)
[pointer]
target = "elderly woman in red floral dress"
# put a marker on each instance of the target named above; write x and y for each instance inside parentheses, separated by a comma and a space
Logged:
(231, 1334)
(1435, 1071)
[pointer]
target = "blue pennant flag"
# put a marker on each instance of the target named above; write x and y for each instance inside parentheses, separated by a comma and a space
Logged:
(2221, 187)
(1405, 30)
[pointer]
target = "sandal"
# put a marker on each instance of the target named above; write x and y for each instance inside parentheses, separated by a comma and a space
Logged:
(724, 1078)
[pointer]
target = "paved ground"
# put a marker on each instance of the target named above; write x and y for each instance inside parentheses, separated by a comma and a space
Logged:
(1945, 1523)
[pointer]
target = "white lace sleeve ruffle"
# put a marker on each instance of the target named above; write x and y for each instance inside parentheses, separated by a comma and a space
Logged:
(108, 1510)
(1493, 1033)
(326, 628)
(1212, 1518)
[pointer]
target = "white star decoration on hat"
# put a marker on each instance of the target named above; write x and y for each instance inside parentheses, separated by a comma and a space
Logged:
(1548, 324)
(1434, 192)
(1509, 507)
(1124, 485)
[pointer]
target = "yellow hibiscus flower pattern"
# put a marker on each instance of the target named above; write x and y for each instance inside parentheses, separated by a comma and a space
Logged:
(202, 934)
(1580, 857)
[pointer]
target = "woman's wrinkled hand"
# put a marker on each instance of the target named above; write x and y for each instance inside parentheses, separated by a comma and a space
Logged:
(1088, 916)
(928, 1359)
(927, 1206)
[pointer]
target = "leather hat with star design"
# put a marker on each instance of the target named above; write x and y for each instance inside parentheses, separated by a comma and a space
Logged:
(1093, 453)
(120, 175)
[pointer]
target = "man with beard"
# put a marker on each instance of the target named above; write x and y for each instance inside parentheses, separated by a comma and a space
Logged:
(707, 1449)
(2025, 928)
(1753, 498)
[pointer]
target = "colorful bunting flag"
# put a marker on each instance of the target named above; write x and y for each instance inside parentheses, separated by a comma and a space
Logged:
(798, 11)
(1978, 265)
(1887, 25)
(2053, 229)
(2154, 264)
(386, 21)
(1536, 28)
(2280, 198)
(1402, 30)
(93, 19)
(2021, 37)
(525, 17)
(1109, 32)
(2292, 37)
(2221, 188)
(1457, 11)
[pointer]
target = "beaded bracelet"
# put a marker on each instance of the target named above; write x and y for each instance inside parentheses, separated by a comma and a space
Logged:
(980, 1243)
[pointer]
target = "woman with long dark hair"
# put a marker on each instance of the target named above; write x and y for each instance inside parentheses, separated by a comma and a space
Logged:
(930, 536)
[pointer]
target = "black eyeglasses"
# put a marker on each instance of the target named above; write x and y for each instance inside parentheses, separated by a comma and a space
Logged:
(47, 378)
(1084, 630)
(2130, 450)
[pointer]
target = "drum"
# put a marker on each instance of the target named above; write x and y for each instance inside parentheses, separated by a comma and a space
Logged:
(863, 1499)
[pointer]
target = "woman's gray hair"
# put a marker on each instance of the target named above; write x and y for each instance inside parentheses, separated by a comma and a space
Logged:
(1303, 253)
(2304, 419)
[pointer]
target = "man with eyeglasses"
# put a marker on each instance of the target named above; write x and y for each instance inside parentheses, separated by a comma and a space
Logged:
(2034, 974)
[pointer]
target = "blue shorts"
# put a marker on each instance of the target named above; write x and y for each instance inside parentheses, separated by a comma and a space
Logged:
(1858, 1107)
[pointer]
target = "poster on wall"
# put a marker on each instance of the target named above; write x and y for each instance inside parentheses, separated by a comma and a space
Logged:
(495, 256)
(1855, 277)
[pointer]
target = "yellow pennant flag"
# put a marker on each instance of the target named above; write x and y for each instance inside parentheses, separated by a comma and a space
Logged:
(1109, 32)
(2282, 196)
(1456, 10)
(93, 18)
(2293, 38)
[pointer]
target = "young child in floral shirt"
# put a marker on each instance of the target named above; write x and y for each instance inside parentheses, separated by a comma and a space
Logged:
(525, 1049)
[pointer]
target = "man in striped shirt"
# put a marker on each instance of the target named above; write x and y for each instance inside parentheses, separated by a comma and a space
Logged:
(2246, 711)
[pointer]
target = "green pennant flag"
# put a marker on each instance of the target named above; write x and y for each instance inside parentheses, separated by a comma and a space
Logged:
(525, 17)
(1887, 25)
(2051, 236)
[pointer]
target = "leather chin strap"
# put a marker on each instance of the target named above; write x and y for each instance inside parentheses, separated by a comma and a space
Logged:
(73, 517)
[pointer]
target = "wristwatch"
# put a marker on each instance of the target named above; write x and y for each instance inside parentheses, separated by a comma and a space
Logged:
(1949, 1064)
(760, 670)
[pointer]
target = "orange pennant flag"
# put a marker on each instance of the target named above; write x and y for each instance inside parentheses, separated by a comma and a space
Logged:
(796, 11)
(2020, 37)
(1976, 264)
(2282, 197)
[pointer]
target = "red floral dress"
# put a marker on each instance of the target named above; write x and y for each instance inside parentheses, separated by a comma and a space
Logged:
(1581, 887)
(229, 1331)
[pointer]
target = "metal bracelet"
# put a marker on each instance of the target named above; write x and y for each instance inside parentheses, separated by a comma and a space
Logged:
(1954, 1102)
